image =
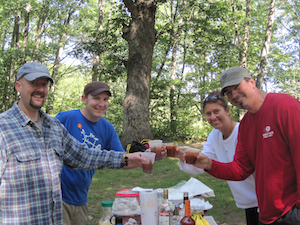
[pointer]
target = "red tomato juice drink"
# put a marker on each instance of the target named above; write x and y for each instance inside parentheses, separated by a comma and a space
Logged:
(157, 151)
(190, 157)
(148, 164)
(147, 168)
(157, 147)
(171, 150)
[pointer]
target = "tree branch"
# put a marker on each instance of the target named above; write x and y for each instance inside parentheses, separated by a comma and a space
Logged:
(131, 7)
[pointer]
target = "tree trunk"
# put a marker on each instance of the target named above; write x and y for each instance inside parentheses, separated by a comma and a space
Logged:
(264, 52)
(243, 60)
(26, 27)
(243, 45)
(141, 37)
(95, 69)
(16, 36)
(41, 27)
(62, 42)
(173, 103)
(9, 72)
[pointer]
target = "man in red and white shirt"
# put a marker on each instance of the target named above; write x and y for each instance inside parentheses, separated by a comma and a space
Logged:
(268, 144)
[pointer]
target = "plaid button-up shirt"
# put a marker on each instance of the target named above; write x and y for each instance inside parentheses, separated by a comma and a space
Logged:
(30, 165)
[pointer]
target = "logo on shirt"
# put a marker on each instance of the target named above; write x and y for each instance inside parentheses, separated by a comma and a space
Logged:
(267, 133)
(90, 139)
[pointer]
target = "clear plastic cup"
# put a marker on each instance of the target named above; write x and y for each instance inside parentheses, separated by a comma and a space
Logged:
(148, 164)
(190, 157)
(157, 147)
(171, 149)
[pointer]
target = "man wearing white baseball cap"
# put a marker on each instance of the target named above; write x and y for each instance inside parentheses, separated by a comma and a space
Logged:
(34, 147)
(268, 146)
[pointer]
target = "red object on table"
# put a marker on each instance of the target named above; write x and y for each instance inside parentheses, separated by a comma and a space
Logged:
(127, 193)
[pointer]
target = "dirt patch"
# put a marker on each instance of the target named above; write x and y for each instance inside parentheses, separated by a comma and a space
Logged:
(197, 146)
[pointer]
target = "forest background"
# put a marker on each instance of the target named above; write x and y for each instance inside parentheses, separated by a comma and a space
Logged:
(160, 57)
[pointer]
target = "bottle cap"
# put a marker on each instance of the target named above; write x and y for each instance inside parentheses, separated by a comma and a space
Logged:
(166, 194)
(107, 203)
(119, 220)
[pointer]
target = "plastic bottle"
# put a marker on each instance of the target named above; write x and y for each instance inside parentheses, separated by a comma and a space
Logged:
(187, 219)
(166, 210)
(107, 213)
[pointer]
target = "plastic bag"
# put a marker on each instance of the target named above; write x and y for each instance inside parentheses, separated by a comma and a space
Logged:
(126, 206)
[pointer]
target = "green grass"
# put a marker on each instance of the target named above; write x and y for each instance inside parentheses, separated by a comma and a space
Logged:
(166, 173)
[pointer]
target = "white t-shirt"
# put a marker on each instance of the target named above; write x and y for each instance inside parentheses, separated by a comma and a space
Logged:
(223, 150)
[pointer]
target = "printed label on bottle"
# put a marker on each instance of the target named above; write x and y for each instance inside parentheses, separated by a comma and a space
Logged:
(164, 218)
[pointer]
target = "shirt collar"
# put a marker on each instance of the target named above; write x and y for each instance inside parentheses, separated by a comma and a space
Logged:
(24, 119)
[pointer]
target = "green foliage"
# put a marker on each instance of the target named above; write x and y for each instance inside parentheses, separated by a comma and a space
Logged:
(67, 98)
(207, 45)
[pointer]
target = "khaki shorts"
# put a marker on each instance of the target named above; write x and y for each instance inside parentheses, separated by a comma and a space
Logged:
(74, 214)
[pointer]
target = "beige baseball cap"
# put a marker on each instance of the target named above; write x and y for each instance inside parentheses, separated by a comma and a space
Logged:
(233, 76)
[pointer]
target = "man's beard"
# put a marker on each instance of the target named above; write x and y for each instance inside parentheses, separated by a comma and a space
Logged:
(35, 106)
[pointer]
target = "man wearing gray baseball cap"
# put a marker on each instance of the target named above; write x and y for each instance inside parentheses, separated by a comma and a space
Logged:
(32, 71)
(34, 148)
(268, 146)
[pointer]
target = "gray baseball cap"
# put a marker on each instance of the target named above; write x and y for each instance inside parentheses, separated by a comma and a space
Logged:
(233, 76)
(32, 71)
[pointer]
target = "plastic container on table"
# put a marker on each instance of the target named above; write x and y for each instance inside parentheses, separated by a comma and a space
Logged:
(128, 193)
(131, 198)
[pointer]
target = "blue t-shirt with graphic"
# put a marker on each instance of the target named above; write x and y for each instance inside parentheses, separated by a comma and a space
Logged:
(97, 135)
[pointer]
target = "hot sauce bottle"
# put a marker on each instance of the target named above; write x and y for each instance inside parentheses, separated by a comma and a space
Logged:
(187, 219)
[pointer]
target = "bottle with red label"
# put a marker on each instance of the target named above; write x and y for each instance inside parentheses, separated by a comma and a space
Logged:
(166, 210)
(187, 219)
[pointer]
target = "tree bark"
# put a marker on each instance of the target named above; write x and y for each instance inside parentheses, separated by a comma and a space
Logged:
(95, 69)
(62, 42)
(10, 71)
(243, 45)
(173, 103)
(141, 37)
(16, 36)
(243, 60)
(26, 27)
(41, 26)
(264, 52)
